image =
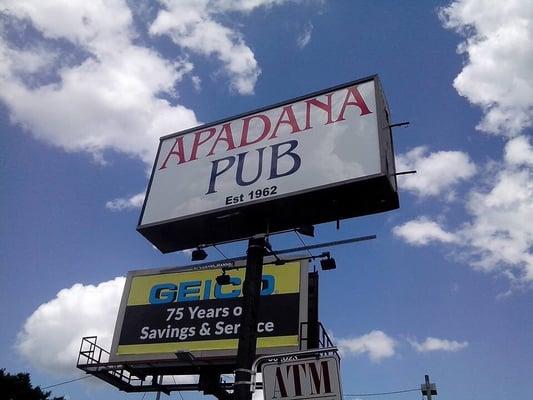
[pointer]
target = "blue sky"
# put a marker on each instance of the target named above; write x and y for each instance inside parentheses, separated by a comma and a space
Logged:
(87, 89)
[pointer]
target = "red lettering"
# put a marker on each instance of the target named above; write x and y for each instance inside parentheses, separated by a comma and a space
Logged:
(246, 128)
(280, 383)
(296, 378)
(198, 141)
(315, 376)
(358, 101)
(225, 135)
(291, 120)
(323, 106)
(176, 150)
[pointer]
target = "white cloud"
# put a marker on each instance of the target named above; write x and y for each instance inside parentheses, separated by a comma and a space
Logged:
(305, 37)
(436, 344)
(497, 75)
(437, 172)
(105, 91)
(518, 151)
(191, 25)
(243, 5)
(500, 232)
(423, 231)
(51, 336)
(86, 82)
(197, 83)
(376, 344)
(135, 201)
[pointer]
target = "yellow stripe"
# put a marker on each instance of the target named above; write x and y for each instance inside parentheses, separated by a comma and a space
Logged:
(223, 344)
(287, 281)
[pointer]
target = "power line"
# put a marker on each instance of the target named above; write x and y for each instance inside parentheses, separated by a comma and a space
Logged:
(381, 393)
(64, 383)
(179, 392)
(220, 251)
(303, 243)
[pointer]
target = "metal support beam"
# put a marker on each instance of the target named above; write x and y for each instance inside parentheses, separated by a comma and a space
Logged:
(248, 331)
(428, 389)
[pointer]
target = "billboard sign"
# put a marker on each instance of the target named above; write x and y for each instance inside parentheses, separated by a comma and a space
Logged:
(317, 158)
(164, 312)
(307, 378)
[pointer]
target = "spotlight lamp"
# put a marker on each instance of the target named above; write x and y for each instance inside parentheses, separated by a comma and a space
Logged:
(198, 254)
(223, 279)
(328, 263)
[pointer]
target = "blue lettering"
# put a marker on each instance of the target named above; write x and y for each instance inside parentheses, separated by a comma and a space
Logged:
(268, 284)
(234, 281)
(207, 289)
(189, 288)
(163, 293)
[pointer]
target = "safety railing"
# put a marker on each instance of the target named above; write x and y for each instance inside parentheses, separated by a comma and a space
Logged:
(313, 335)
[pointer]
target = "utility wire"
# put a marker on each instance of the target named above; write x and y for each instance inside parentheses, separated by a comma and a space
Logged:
(220, 251)
(64, 383)
(303, 243)
(381, 393)
(179, 392)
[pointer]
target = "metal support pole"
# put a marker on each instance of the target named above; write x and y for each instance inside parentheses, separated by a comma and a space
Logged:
(248, 331)
(159, 381)
(428, 389)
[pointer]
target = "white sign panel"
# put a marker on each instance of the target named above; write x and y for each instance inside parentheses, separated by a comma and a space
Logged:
(302, 379)
(318, 158)
(310, 143)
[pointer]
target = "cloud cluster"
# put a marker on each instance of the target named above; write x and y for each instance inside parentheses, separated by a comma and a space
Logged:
(51, 336)
(305, 37)
(192, 26)
(497, 75)
(500, 232)
(128, 203)
(519, 152)
(98, 90)
(376, 344)
(432, 344)
(88, 82)
(497, 235)
(423, 231)
(437, 172)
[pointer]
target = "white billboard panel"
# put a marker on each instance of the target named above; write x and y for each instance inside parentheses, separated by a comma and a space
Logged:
(323, 140)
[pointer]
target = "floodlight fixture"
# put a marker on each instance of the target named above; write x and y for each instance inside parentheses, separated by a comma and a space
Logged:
(223, 279)
(328, 263)
(198, 254)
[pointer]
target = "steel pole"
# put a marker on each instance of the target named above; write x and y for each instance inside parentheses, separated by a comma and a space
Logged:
(428, 386)
(250, 306)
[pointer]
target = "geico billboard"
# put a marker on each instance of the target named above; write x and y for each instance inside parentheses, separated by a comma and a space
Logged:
(167, 312)
(318, 158)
